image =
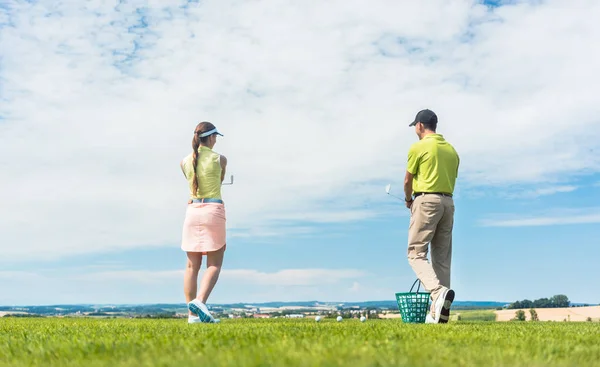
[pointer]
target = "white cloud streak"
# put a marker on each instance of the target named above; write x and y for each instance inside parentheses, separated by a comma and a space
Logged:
(540, 191)
(285, 277)
(135, 286)
(98, 103)
(293, 277)
(553, 190)
(569, 217)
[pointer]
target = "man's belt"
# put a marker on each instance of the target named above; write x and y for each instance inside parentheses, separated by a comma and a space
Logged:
(432, 193)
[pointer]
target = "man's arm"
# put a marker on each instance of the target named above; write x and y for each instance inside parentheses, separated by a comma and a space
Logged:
(408, 186)
(412, 167)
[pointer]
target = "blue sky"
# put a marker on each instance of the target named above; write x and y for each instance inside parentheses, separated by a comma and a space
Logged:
(491, 261)
(98, 106)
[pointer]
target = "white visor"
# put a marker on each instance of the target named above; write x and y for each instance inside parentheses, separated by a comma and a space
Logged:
(210, 132)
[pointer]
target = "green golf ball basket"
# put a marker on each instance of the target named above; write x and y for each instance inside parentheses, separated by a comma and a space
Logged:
(413, 306)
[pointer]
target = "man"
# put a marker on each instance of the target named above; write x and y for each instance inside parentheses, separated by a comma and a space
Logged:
(428, 187)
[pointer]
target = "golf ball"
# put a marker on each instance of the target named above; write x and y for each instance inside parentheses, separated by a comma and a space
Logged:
(339, 318)
(362, 319)
(318, 318)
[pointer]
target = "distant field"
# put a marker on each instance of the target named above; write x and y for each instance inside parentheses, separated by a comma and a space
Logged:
(544, 314)
(289, 342)
(556, 314)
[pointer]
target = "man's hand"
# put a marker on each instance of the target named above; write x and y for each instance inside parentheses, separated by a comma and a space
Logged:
(409, 203)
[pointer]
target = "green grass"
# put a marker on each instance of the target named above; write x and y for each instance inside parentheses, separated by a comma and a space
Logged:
(476, 315)
(284, 342)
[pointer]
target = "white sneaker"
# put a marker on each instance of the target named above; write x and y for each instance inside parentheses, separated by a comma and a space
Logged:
(201, 310)
(429, 319)
(196, 319)
(442, 306)
(193, 319)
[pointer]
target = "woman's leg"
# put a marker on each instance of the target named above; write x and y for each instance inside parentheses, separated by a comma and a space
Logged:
(190, 278)
(213, 269)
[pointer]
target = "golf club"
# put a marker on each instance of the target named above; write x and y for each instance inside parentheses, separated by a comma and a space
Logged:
(230, 181)
(387, 190)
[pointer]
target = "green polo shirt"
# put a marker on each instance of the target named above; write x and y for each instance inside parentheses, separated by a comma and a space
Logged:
(434, 164)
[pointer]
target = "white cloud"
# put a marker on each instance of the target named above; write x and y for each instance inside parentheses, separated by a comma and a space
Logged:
(97, 109)
(540, 191)
(136, 276)
(270, 231)
(553, 190)
(285, 277)
(325, 216)
(293, 277)
(142, 286)
(22, 275)
(568, 217)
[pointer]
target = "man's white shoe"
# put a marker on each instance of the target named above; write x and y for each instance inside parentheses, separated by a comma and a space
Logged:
(201, 310)
(193, 319)
(196, 320)
(429, 319)
(442, 306)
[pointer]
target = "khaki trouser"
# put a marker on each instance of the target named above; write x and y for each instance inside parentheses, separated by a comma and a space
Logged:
(431, 221)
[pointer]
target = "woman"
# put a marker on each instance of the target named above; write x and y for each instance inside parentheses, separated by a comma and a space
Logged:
(204, 225)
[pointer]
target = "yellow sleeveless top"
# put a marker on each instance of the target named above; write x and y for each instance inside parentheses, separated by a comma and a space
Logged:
(208, 170)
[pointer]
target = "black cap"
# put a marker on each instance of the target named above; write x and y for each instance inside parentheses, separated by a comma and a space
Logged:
(425, 117)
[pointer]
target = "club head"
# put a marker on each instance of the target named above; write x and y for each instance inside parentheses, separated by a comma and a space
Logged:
(388, 188)
(230, 181)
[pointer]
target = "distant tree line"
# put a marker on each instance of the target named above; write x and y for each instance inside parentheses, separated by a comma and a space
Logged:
(560, 300)
(22, 315)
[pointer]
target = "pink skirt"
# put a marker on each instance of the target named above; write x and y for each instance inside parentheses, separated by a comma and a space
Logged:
(203, 227)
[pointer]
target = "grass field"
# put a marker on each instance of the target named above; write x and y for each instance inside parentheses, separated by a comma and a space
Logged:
(476, 315)
(288, 342)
